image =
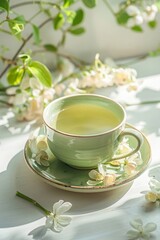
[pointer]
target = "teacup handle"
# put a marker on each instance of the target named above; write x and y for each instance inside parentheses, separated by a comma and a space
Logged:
(136, 135)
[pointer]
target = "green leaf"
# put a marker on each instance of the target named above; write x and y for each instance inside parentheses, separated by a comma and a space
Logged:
(15, 75)
(36, 34)
(67, 3)
(78, 17)
(89, 3)
(4, 5)
(70, 15)
(77, 31)
(122, 17)
(152, 24)
(16, 27)
(158, 5)
(58, 21)
(50, 47)
(26, 58)
(137, 29)
(41, 72)
(155, 53)
(20, 19)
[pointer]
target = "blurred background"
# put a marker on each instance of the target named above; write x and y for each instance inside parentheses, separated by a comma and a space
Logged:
(103, 35)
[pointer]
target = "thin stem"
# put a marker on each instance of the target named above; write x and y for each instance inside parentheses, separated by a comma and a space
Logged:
(109, 6)
(142, 103)
(2, 89)
(35, 203)
(5, 31)
(134, 61)
(31, 3)
(35, 15)
(5, 103)
(7, 60)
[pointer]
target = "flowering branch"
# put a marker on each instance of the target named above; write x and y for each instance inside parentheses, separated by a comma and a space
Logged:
(22, 46)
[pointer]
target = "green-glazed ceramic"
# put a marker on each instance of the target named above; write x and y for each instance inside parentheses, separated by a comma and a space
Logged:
(62, 176)
(86, 151)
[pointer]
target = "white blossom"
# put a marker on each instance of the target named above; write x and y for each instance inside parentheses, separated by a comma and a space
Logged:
(65, 67)
(150, 12)
(141, 231)
(121, 76)
(20, 98)
(154, 185)
(154, 194)
(56, 220)
(40, 151)
(132, 10)
(101, 176)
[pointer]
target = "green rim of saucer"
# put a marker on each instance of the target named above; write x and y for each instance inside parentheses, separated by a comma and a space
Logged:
(62, 176)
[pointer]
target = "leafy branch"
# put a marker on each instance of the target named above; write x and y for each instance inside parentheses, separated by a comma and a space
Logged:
(63, 19)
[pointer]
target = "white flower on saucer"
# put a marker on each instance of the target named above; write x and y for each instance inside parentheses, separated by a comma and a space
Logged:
(153, 195)
(141, 231)
(40, 151)
(101, 176)
(130, 163)
(56, 220)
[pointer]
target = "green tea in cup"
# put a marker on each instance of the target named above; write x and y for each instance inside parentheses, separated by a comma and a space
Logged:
(85, 130)
(84, 119)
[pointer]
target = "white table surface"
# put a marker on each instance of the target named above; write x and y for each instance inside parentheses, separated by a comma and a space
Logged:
(95, 216)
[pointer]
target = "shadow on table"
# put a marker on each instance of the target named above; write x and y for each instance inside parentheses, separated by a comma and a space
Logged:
(146, 115)
(18, 177)
(9, 125)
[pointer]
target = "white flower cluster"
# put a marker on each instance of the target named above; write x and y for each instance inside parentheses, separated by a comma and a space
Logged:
(102, 75)
(30, 99)
(139, 16)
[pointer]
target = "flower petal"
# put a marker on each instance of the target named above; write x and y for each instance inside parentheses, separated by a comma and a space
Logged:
(95, 175)
(136, 223)
(150, 227)
(102, 169)
(63, 208)
(131, 234)
(41, 142)
(57, 226)
(109, 179)
(151, 197)
(64, 220)
(57, 205)
(49, 220)
(93, 183)
(154, 185)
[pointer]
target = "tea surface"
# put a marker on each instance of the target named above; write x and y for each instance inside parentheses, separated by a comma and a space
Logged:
(85, 119)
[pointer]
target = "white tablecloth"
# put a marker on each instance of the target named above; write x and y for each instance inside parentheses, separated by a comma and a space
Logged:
(95, 216)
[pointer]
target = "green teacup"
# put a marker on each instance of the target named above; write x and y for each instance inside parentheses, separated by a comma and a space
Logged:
(85, 130)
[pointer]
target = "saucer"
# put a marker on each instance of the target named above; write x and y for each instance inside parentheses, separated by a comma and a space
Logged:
(62, 176)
